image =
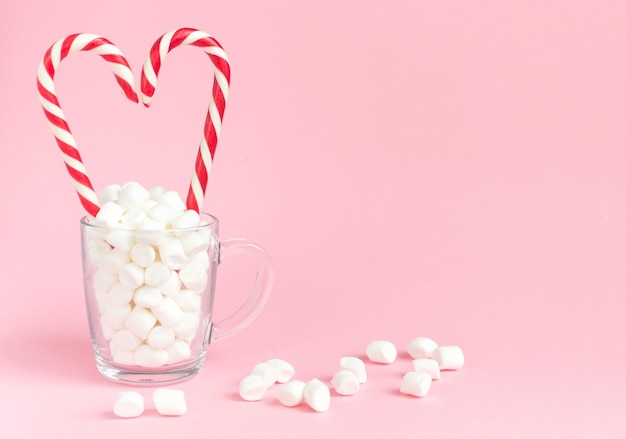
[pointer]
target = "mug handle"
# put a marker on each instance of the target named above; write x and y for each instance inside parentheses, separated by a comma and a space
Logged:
(260, 290)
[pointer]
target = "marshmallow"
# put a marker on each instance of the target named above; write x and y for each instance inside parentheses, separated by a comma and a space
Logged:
(120, 294)
(111, 262)
(186, 220)
(356, 366)
(150, 231)
(427, 365)
(132, 196)
(291, 393)
(381, 351)
(103, 282)
(126, 339)
(178, 351)
(122, 356)
(188, 301)
(266, 371)
(142, 254)
(107, 330)
(169, 402)
(128, 404)
(162, 212)
(187, 328)
(345, 382)
(317, 395)
(252, 388)
(131, 275)
(109, 193)
(449, 357)
(172, 252)
(148, 297)
(172, 286)
(157, 274)
(120, 239)
(203, 259)
(416, 384)
(196, 241)
(131, 220)
(115, 316)
(421, 347)
(156, 192)
(161, 337)
(173, 199)
(194, 276)
(109, 214)
(140, 321)
(285, 371)
(169, 313)
(147, 356)
(97, 249)
(149, 204)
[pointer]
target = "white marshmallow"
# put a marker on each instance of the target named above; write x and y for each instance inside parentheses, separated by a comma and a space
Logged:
(97, 249)
(120, 239)
(109, 214)
(156, 192)
(157, 274)
(103, 282)
(140, 321)
(186, 220)
(196, 241)
(203, 259)
(120, 294)
(169, 402)
(107, 330)
(122, 356)
(172, 252)
(449, 357)
(109, 193)
(149, 204)
(285, 370)
(111, 262)
(147, 356)
(427, 365)
(172, 287)
(356, 366)
(317, 395)
(194, 276)
(187, 328)
(131, 275)
(416, 384)
(381, 351)
(126, 339)
(421, 347)
(252, 388)
(291, 393)
(131, 220)
(188, 301)
(132, 196)
(162, 212)
(115, 316)
(345, 382)
(143, 254)
(266, 371)
(169, 313)
(150, 231)
(148, 297)
(178, 351)
(173, 199)
(128, 404)
(161, 337)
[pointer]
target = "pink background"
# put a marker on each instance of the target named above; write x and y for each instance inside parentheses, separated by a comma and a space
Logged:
(444, 169)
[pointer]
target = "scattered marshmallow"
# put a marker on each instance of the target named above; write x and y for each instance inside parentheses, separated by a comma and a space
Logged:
(381, 351)
(291, 393)
(416, 384)
(421, 347)
(429, 366)
(285, 371)
(356, 366)
(266, 371)
(345, 382)
(317, 395)
(252, 388)
(449, 357)
(128, 404)
(169, 402)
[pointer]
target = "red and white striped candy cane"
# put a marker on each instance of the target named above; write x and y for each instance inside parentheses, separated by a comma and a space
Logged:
(217, 104)
(45, 84)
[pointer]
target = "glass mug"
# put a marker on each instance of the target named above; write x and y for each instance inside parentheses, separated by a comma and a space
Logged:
(149, 297)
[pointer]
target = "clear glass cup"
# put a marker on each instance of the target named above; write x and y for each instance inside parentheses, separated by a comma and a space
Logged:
(150, 293)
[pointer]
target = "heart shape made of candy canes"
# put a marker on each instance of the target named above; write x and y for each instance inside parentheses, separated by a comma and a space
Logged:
(124, 77)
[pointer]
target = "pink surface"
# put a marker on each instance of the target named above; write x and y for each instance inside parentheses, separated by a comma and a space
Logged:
(447, 170)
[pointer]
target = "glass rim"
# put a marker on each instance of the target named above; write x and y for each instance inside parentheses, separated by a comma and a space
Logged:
(210, 221)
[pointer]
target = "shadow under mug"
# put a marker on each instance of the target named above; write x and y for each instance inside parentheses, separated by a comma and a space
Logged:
(149, 296)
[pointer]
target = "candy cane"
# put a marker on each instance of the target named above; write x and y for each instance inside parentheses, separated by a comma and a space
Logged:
(217, 104)
(45, 84)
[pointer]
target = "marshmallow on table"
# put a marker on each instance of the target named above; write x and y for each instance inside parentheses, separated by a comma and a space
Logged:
(421, 347)
(449, 357)
(266, 371)
(252, 388)
(416, 384)
(317, 395)
(345, 382)
(356, 366)
(381, 351)
(427, 365)
(285, 371)
(169, 402)
(291, 393)
(128, 404)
